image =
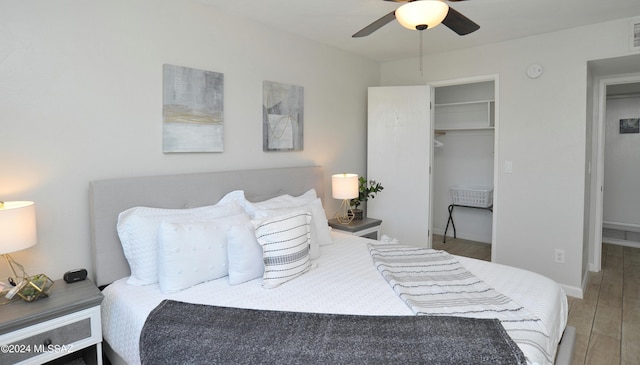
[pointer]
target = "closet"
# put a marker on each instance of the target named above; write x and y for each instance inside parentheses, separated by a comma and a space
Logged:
(420, 141)
(464, 123)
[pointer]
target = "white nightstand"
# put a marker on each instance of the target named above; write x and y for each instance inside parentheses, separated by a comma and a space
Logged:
(50, 328)
(366, 227)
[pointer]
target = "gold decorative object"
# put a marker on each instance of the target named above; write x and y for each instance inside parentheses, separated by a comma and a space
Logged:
(18, 232)
(35, 287)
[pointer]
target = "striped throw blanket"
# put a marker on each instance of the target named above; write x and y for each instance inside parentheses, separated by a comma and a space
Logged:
(434, 283)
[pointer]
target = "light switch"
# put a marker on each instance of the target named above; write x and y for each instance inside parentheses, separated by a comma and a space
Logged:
(508, 166)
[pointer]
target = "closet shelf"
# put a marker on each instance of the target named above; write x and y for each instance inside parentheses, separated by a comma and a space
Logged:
(465, 103)
(468, 115)
(453, 129)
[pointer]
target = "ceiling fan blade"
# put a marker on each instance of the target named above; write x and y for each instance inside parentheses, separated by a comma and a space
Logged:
(375, 25)
(459, 23)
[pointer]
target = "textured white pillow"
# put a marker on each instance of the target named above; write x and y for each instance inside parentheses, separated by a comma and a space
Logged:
(320, 223)
(138, 231)
(307, 196)
(319, 217)
(282, 201)
(191, 253)
(285, 244)
(236, 196)
(245, 253)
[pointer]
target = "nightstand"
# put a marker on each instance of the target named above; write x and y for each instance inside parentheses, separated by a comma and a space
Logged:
(366, 227)
(50, 328)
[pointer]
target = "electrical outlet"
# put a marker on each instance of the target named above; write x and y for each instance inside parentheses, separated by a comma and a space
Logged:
(559, 256)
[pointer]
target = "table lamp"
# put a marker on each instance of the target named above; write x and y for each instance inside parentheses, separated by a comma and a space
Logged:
(345, 187)
(18, 232)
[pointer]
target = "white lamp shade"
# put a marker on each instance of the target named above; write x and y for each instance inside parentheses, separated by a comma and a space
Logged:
(419, 13)
(344, 186)
(17, 226)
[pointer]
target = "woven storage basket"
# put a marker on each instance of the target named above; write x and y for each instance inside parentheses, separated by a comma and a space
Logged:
(472, 196)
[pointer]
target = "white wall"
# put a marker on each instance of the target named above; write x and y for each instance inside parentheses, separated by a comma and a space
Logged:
(621, 164)
(81, 99)
(540, 205)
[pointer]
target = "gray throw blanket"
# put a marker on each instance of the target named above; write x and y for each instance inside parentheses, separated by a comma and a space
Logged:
(183, 333)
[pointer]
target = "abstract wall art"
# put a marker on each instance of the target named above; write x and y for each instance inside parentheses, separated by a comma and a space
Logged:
(192, 110)
(282, 117)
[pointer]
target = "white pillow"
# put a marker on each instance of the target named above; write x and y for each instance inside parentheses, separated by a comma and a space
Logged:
(285, 244)
(191, 253)
(314, 248)
(282, 201)
(320, 230)
(138, 231)
(319, 217)
(320, 223)
(245, 254)
(236, 196)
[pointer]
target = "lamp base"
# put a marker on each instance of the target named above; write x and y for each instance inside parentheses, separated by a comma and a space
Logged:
(344, 220)
(345, 214)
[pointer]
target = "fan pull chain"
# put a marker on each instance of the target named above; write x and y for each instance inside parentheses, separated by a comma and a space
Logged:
(421, 54)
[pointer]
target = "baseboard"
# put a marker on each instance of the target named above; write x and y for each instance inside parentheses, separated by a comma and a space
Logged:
(573, 291)
(615, 241)
(585, 284)
(621, 226)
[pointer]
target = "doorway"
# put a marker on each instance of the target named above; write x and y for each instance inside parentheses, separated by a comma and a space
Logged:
(464, 155)
(621, 217)
(605, 74)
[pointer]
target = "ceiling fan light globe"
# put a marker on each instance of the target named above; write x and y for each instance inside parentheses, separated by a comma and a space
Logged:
(418, 14)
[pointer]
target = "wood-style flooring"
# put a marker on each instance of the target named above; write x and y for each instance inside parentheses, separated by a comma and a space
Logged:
(466, 248)
(607, 319)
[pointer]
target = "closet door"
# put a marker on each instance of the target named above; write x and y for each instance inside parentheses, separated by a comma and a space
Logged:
(399, 156)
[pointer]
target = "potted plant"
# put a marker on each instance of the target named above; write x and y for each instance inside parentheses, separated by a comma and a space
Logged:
(366, 190)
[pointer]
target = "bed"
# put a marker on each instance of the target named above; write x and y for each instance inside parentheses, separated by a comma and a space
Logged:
(341, 281)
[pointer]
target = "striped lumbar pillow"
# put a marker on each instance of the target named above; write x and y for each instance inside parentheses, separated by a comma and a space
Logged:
(285, 242)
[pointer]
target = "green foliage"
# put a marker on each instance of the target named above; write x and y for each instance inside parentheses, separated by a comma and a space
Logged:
(367, 190)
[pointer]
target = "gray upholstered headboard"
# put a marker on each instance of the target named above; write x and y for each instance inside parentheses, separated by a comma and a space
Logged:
(110, 197)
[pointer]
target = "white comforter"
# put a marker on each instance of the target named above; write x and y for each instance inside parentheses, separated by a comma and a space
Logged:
(343, 281)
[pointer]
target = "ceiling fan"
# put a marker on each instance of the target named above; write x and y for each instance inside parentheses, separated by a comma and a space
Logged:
(421, 15)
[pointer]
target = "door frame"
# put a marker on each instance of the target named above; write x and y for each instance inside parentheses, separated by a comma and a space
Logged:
(598, 189)
(496, 158)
